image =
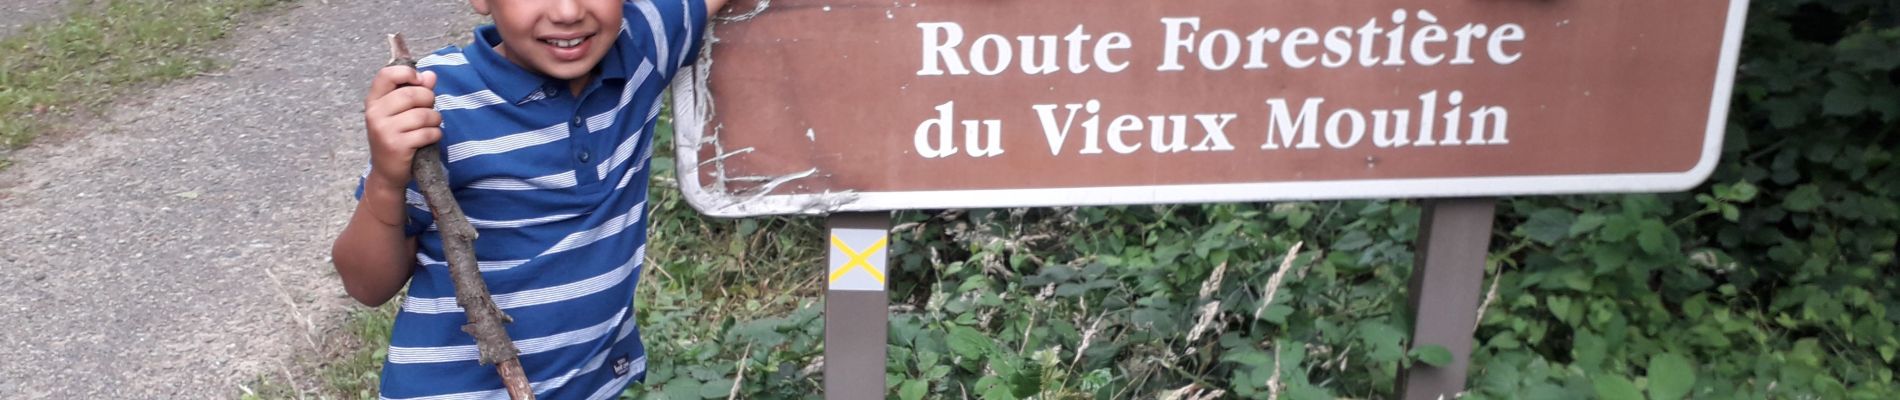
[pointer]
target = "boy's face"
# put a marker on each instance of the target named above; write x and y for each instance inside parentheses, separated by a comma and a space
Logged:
(562, 39)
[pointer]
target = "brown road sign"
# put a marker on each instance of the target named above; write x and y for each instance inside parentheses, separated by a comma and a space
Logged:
(852, 105)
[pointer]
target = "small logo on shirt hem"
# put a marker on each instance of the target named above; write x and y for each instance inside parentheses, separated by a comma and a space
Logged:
(622, 366)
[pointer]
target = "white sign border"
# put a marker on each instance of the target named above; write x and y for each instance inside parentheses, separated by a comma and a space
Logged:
(689, 91)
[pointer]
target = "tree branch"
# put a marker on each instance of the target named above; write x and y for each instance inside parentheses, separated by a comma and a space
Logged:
(485, 320)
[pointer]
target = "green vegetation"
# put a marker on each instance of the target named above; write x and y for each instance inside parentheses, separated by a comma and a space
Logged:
(355, 375)
(345, 367)
(1777, 279)
(102, 48)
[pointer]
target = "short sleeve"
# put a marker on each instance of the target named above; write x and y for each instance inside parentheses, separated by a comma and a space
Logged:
(414, 207)
(671, 28)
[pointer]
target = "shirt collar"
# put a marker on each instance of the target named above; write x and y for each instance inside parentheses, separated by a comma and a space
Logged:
(510, 81)
(614, 64)
(516, 84)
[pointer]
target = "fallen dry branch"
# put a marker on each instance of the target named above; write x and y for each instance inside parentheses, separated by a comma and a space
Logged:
(485, 320)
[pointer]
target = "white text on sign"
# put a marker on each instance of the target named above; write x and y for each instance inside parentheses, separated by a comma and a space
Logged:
(1402, 39)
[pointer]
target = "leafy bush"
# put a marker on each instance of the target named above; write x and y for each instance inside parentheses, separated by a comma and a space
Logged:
(1774, 280)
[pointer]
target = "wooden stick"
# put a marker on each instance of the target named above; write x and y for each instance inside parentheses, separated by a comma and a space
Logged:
(485, 320)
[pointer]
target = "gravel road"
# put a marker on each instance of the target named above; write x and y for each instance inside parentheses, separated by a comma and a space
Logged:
(176, 245)
(18, 14)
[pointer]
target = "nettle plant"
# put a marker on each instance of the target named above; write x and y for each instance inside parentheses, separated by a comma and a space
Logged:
(1777, 279)
(1145, 301)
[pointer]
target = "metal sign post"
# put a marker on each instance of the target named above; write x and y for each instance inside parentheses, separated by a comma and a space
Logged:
(1454, 235)
(856, 304)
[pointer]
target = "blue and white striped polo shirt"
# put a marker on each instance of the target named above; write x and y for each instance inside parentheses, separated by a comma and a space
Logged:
(557, 186)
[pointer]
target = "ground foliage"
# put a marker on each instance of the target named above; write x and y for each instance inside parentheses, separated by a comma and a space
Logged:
(1776, 279)
(99, 51)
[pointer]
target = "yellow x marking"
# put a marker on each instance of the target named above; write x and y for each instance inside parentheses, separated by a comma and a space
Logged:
(858, 259)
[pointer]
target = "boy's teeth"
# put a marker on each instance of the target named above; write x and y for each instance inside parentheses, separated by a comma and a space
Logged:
(564, 43)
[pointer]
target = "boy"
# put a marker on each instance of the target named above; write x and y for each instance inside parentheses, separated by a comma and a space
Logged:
(545, 123)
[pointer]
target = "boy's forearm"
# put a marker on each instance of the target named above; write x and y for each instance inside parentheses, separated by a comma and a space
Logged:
(372, 255)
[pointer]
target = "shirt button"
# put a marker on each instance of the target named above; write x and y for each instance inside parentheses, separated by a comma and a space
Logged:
(577, 121)
(583, 156)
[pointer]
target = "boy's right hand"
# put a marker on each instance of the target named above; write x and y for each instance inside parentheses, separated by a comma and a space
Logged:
(400, 116)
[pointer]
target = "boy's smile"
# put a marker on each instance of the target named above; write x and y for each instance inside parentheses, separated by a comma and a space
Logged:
(563, 39)
(568, 48)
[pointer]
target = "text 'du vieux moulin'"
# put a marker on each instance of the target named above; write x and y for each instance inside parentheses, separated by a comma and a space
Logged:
(1441, 117)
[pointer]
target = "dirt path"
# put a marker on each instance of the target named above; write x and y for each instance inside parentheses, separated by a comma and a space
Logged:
(176, 246)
